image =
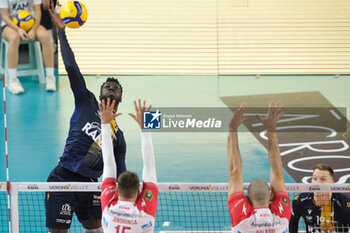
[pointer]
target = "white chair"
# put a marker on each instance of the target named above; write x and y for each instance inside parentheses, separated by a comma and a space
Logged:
(35, 67)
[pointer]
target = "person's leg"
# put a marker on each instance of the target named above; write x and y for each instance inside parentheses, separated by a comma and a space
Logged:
(89, 212)
(59, 206)
(12, 59)
(92, 226)
(48, 56)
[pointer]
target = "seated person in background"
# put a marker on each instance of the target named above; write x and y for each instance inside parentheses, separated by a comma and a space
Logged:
(254, 213)
(13, 34)
(125, 208)
(321, 211)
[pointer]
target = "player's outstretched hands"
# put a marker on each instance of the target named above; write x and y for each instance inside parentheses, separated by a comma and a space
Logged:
(273, 115)
(56, 18)
(237, 118)
(107, 111)
(139, 109)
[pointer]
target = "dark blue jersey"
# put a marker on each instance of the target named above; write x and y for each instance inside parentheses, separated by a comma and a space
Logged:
(82, 152)
(334, 217)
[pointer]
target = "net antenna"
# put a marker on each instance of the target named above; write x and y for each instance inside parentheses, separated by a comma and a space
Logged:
(6, 154)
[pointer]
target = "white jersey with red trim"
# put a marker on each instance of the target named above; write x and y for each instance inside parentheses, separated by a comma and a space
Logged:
(246, 219)
(125, 216)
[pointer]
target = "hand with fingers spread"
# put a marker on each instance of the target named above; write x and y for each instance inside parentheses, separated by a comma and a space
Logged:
(273, 115)
(237, 118)
(56, 18)
(139, 109)
(107, 111)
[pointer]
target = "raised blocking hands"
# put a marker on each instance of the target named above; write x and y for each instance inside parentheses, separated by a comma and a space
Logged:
(107, 111)
(273, 115)
(139, 109)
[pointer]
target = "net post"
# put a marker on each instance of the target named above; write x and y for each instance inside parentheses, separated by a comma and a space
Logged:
(14, 207)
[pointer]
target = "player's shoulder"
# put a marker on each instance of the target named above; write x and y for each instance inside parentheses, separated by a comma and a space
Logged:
(303, 197)
(341, 199)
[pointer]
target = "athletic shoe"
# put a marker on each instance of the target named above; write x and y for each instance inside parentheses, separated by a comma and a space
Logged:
(15, 86)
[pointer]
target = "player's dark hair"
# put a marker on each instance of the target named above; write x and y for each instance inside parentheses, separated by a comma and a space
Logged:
(120, 89)
(128, 184)
(324, 167)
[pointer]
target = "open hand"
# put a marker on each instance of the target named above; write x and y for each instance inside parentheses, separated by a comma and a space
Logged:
(273, 115)
(56, 18)
(139, 109)
(237, 118)
(107, 111)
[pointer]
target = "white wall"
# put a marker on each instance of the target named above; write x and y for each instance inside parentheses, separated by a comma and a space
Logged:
(214, 37)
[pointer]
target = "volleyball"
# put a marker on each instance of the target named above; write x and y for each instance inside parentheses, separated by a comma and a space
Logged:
(24, 20)
(73, 14)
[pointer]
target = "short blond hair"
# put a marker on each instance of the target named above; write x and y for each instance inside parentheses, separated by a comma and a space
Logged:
(324, 167)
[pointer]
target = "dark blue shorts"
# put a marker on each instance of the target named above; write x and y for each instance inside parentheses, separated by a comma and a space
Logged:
(60, 206)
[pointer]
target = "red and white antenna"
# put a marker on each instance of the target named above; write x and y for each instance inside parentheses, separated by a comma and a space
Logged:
(8, 185)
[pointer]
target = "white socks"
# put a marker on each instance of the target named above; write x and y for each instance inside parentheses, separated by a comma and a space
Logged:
(49, 72)
(12, 73)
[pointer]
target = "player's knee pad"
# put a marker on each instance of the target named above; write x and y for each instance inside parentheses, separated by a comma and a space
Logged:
(98, 230)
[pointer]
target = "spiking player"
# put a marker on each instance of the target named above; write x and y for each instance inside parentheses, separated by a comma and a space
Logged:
(82, 160)
(124, 208)
(254, 213)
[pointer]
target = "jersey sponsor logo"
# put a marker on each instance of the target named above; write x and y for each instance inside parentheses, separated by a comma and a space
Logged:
(147, 225)
(280, 207)
(124, 221)
(63, 221)
(104, 222)
(244, 209)
(121, 214)
(305, 198)
(20, 6)
(266, 231)
(238, 202)
(66, 209)
(123, 207)
(93, 130)
(148, 195)
(309, 211)
(348, 204)
(284, 200)
(296, 197)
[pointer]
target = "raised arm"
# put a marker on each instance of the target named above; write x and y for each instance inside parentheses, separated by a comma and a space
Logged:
(276, 168)
(107, 115)
(76, 79)
(233, 154)
(149, 169)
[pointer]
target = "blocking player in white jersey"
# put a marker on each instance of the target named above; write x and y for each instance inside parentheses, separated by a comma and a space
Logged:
(255, 213)
(124, 208)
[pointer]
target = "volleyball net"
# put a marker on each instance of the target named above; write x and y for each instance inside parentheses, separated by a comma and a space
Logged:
(182, 207)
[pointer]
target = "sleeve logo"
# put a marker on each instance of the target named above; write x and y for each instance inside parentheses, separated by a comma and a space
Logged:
(284, 200)
(148, 195)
